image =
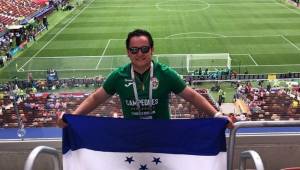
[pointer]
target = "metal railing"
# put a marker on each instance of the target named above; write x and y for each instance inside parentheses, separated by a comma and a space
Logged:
(230, 153)
(251, 124)
(43, 149)
(250, 154)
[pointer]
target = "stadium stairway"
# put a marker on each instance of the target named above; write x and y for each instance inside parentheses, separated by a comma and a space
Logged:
(229, 108)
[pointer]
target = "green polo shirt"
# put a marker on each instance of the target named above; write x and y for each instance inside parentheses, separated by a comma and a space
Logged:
(165, 80)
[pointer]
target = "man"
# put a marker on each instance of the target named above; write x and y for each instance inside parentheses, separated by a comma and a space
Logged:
(143, 85)
(45, 22)
(221, 96)
(1, 62)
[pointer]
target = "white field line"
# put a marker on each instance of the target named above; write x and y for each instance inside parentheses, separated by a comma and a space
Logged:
(102, 69)
(71, 57)
(235, 66)
(121, 6)
(171, 4)
(239, 54)
(294, 45)
(249, 55)
(244, 3)
(107, 44)
(68, 23)
(252, 59)
(268, 65)
(209, 37)
(293, 10)
(163, 4)
(75, 69)
(187, 33)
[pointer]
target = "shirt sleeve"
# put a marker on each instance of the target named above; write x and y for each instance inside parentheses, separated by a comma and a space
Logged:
(109, 83)
(177, 84)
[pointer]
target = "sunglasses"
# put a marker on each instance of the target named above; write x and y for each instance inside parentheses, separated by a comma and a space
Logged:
(135, 50)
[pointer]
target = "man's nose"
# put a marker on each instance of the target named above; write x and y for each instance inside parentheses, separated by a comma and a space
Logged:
(140, 52)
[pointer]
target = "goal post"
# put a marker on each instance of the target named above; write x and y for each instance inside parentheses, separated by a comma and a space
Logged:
(211, 61)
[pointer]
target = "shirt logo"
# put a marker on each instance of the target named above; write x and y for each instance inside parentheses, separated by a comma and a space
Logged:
(128, 82)
(155, 82)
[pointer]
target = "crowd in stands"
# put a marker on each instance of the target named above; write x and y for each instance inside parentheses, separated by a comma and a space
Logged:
(271, 103)
(50, 84)
(15, 38)
(38, 108)
(182, 109)
(36, 105)
(28, 19)
(12, 10)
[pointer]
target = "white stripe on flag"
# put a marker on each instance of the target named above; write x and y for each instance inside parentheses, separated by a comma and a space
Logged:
(85, 159)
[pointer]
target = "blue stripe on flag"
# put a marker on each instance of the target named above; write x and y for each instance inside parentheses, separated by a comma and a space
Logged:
(189, 136)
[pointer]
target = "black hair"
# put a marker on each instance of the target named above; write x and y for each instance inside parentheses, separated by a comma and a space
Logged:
(139, 32)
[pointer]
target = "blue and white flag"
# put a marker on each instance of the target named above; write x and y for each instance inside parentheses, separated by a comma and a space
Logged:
(93, 143)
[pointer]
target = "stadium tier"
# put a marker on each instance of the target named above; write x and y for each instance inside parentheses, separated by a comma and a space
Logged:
(12, 11)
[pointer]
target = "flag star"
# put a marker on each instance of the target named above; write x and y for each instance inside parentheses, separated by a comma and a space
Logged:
(156, 160)
(143, 167)
(129, 159)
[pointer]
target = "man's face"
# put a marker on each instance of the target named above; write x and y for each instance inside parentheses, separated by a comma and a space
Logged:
(140, 52)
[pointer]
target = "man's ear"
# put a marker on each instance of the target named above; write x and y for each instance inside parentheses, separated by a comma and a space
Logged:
(127, 52)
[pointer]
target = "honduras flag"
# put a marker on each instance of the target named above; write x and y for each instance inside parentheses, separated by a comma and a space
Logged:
(93, 143)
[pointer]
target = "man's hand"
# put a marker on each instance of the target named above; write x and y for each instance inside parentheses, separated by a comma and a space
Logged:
(230, 124)
(60, 123)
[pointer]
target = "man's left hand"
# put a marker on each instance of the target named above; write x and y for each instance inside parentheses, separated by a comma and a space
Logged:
(230, 124)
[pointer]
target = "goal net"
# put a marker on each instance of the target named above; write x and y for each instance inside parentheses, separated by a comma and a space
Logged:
(208, 61)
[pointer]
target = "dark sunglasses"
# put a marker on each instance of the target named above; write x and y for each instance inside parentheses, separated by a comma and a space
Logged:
(135, 50)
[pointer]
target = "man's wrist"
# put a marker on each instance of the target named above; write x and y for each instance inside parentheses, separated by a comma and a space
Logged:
(218, 114)
(61, 115)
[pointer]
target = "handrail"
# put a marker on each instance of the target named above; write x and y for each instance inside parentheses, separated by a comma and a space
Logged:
(251, 124)
(42, 149)
(255, 157)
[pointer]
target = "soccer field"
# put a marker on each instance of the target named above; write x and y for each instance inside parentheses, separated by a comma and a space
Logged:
(259, 35)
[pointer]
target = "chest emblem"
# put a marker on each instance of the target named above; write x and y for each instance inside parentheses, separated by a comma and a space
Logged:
(128, 82)
(155, 82)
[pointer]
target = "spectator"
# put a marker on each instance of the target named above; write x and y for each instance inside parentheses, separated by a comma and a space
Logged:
(232, 117)
(242, 117)
(1, 62)
(8, 55)
(143, 85)
(221, 97)
(45, 22)
(269, 87)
